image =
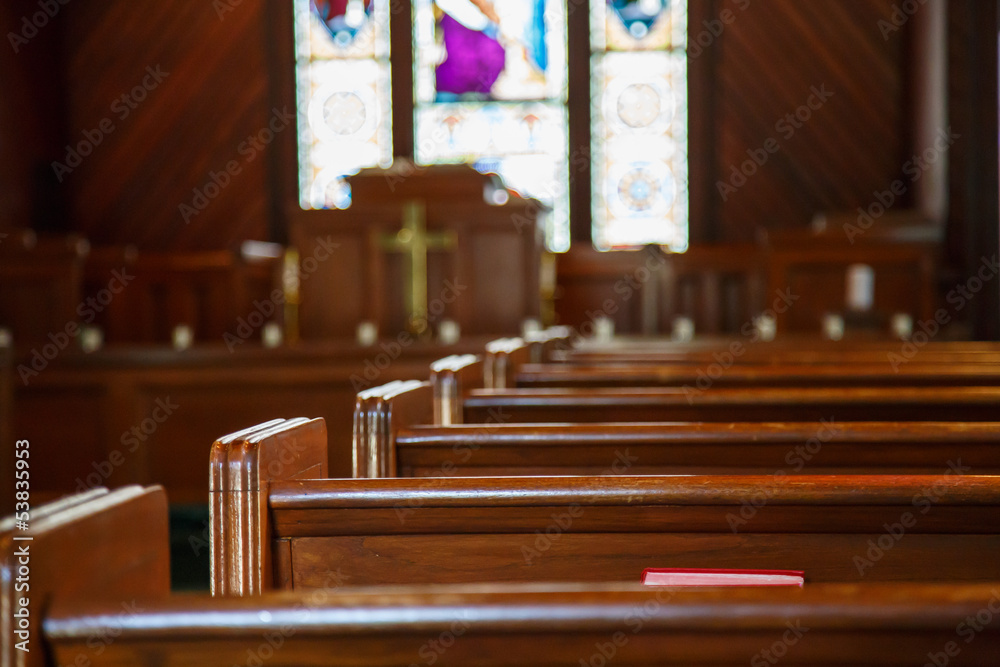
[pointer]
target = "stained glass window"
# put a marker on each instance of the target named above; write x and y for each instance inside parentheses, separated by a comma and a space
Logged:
(639, 120)
(343, 82)
(490, 81)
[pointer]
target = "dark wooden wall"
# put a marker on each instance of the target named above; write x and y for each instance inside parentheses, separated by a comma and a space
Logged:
(211, 95)
(767, 63)
(31, 120)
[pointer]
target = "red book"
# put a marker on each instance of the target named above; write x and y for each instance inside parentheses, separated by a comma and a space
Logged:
(680, 576)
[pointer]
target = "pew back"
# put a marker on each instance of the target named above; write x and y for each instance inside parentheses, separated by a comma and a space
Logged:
(723, 374)
(731, 404)
(399, 440)
(941, 527)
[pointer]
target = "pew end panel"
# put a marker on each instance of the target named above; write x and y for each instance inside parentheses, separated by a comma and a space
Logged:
(243, 465)
(383, 410)
(545, 344)
(503, 357)
(450, 378)
(364, 404)
(411, 402)
(99, 545)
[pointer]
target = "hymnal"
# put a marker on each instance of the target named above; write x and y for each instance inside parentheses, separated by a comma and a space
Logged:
(675, 576)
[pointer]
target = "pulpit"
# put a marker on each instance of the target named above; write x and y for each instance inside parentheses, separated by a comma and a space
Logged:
(419, 247)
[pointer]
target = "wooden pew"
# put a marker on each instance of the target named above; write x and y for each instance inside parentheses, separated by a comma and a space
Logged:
(716, 374)
(111, 546)
(732, 404)
(511, 529)
(748, 349)
(610, 392)
(404, 441)
(110, 609)
(241, 464)
(464, 530)
(497, 626)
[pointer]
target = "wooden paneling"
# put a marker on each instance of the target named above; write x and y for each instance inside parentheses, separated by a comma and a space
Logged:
(771, 60)
(209, 98)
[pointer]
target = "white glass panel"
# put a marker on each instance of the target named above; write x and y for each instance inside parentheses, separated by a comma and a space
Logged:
(344, 96)
(640, 173)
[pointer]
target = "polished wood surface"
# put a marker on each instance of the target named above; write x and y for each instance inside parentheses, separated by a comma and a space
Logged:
(870, 624)
(111, 546)
(727, 404)
(242, 466)
(883, 373)
(695, 448)
(396, 436)
(517, 529)
(89, 619)
(788, 350)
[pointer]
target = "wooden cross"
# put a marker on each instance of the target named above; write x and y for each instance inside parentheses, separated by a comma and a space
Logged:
(414, 241)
